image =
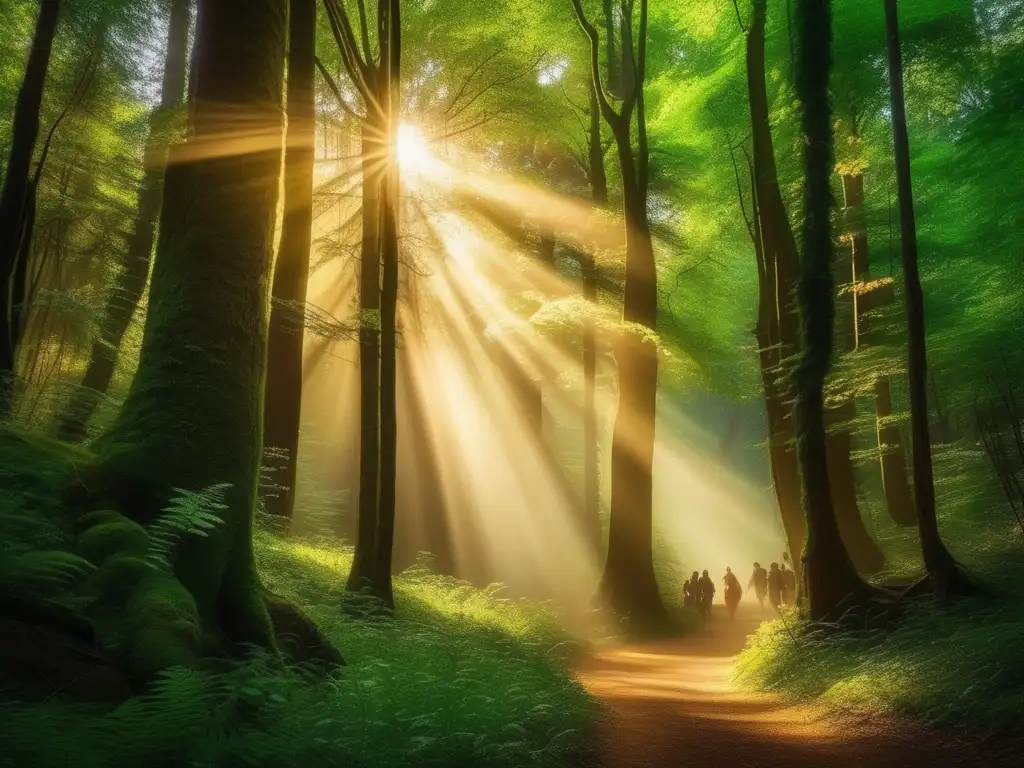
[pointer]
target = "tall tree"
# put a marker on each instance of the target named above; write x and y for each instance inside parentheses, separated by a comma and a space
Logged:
(283, 403)
(390, 37)
(131, 282)
(193, 416)
(828, 574)
(628, 582)
(945, 576)
(15, 194)
(376, 79)
(777, 330)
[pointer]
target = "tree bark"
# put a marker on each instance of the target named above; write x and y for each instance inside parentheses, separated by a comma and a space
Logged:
(829, 576)
(131, 282)
(391, 92)
(588, 268)
(283, 402)
(898, 497)
(193, 415)
(942, 569)
(373, 150)
(14, 196)
(777, 330)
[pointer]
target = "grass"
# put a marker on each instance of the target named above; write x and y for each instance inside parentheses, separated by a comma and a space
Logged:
(458, 677)
(956, 664)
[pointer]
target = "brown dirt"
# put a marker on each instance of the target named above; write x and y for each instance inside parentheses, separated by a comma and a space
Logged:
(674, 703)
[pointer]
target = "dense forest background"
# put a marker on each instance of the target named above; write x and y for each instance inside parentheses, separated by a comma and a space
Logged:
(412, 298)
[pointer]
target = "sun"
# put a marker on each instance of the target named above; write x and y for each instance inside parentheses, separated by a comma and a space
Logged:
(413, 148)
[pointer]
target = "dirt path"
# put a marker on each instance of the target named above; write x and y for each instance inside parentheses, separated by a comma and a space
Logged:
(674, 704)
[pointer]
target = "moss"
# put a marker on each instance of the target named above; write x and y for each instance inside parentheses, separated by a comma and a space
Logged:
(109, 540)
(96, 517)
(117, 578)
(162, 627)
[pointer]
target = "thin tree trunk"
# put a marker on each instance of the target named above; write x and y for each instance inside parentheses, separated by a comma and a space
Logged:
(131, 283)
(283, 402)
(373, 151)
(898, 496)
(391, 56)
(946, 578)
(591, 456)
(829, 576)
(16, 188)
(777, 331)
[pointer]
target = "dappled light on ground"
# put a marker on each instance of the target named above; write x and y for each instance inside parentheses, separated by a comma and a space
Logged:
(677, 703)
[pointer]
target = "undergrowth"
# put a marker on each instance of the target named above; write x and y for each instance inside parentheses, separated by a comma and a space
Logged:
(955, 664)
(457, 677)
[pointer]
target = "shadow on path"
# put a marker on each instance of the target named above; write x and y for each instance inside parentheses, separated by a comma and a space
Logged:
(673, 703)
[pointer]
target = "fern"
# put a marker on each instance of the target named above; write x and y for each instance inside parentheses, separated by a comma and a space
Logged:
(190, 513)
(41, 572)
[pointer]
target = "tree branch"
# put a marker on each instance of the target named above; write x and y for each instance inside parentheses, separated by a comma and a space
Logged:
(334, 89)
(609, 114)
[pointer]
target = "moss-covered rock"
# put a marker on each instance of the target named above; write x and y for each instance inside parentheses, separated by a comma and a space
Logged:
(114, 537)
(161, 626)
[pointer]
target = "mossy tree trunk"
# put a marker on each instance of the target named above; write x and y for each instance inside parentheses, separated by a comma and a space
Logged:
(777, 331)
(628, 583)
(131, 282)
(945, 576)
(193, 415)
(16, 191)
(283, 402)
(829, 576)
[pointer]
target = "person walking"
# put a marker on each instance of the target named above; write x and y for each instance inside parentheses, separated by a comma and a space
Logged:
(707, 594)
(733, 592)
(788, 585)
(775, 586)
(691, 592)
(759, 583)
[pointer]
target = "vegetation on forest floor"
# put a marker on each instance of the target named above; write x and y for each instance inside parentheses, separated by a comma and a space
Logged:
(950, 664)
(456, 677)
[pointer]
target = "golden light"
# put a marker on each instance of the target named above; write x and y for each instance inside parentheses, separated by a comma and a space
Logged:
(413, 149)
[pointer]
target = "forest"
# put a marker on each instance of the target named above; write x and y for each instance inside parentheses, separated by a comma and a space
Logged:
(377, 378)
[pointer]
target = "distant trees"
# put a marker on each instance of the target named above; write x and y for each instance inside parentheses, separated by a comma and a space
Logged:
(17, 197)
(164, 122)
(628, 583)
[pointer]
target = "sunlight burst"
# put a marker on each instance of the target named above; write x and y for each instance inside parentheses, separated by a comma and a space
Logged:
(413, 148)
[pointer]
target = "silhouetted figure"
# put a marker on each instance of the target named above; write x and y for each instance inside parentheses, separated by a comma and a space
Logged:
(733, 592)
(788, 585)
(707, 593)
(775, 586)
(759, 583)
(691, 592)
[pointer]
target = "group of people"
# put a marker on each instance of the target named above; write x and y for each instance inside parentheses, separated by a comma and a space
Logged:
(777, 583)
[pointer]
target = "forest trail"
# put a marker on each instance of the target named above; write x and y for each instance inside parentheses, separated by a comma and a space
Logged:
(673, 703)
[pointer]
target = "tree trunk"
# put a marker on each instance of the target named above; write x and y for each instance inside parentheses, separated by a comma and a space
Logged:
(777, 330)
(391, 92)
(591, 458)
(16, 188)
(862, 548)
(628, 582)
(373, 150)
(131, 282)
(942, 569)
(898, 497)
(193, 415)
(283, 402)
(614, 65)
(828, 574)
